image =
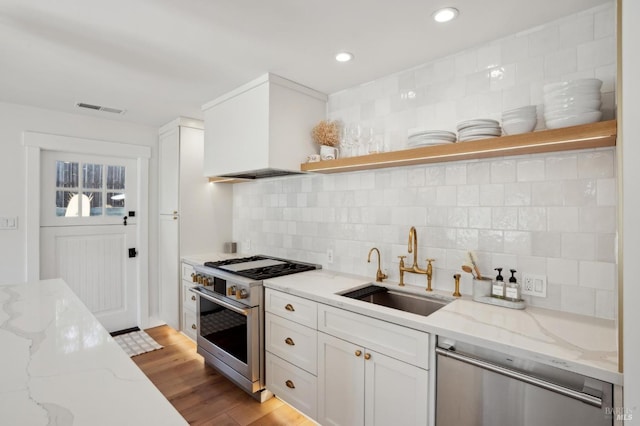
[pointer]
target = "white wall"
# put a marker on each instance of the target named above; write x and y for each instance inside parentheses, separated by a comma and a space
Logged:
(14, 119)
(631, 205)
(553, 214)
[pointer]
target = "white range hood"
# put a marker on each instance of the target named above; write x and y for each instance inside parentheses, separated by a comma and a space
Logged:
(261, 129)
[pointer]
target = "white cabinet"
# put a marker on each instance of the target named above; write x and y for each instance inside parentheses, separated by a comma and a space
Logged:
(291, 350)
(265, 124)
(168, 276)
(195, 217)
(358, 383)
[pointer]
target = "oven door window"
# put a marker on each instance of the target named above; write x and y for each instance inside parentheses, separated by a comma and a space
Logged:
(224, 328)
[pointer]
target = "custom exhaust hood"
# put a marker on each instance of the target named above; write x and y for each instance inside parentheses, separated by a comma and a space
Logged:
(261, 129)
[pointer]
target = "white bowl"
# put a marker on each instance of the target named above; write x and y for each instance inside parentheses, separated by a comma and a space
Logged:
(591, 83)
(518, 117)
(593, 105)
(521, 110)
(574, 120)
(516, 127)
(560, 113)
(565, 98)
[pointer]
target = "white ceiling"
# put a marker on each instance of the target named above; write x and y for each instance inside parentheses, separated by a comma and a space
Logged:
(160, 59)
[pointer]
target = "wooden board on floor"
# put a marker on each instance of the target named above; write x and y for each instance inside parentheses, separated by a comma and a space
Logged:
(200, 393)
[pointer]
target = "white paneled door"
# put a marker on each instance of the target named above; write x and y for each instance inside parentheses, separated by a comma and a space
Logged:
(88, 232)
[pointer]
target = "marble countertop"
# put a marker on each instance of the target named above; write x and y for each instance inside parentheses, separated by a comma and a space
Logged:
(61, 367)
(577, 343)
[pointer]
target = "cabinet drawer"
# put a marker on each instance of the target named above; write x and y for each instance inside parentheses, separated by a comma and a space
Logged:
(402, 343)
(292, 342)
(292, 384)
(189, 324)
(296, 309)
(189, 299)
(187, 270)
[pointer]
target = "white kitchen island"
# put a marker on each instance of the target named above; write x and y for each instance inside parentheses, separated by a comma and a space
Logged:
(60, 366)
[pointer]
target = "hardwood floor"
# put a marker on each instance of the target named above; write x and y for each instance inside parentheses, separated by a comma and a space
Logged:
(200, 393)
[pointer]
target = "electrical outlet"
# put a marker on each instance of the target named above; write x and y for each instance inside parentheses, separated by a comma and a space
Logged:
(9, 223)
(329, 256)
(534, 285)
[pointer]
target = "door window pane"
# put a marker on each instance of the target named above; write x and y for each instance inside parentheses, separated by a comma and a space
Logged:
(115, 204)
(66, 174)
(92, 176)
(115, 177)
(94, 199)
(63, 199)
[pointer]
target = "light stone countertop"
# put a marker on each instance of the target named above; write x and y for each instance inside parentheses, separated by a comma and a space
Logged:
(61, 367)
(577, 343)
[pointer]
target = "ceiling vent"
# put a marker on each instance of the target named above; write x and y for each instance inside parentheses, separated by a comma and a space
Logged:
(100, 108)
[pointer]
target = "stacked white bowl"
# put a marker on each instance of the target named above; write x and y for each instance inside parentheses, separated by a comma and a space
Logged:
(519, 120)
(570, 103)
(479, 128)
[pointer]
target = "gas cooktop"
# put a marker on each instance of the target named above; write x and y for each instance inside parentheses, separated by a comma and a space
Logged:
(261, 267)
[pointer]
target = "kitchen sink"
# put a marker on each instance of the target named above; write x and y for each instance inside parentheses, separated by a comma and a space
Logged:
(402, 301)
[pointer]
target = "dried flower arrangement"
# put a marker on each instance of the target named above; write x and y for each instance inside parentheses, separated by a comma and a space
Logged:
(326, 133)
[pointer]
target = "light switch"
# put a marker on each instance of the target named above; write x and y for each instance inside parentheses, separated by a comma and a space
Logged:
(8, 223)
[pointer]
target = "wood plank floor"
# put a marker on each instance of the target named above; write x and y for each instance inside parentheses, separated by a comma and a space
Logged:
(200, 393)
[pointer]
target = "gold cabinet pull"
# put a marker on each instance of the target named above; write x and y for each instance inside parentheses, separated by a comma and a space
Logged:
(367, 356)
(289, 341)
(193, 297)
(290, 384)
(289, 308)
(193, 326)
(358, 352)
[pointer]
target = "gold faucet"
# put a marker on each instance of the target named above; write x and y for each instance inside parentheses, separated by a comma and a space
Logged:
(412, 247)
(379, 274)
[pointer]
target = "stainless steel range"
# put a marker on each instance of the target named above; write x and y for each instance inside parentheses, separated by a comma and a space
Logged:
(231, 316)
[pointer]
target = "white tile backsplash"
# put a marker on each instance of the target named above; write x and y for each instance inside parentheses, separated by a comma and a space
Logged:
(551, 214)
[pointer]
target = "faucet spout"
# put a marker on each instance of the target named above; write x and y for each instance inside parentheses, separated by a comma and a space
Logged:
(412, 246)
(380, 276)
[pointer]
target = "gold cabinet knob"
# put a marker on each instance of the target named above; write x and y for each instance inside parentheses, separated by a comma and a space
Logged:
(193, 297)
(289, 308)
(358, 352)
(289, 341)
(193, 326)
(367, 356)
(290, 384)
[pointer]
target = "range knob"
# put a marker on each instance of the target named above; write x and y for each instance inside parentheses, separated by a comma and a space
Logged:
(231, 291)
(194, 277)
(242, 294)
(206, 281)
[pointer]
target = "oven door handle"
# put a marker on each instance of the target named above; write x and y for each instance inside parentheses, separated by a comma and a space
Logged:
(220, 302)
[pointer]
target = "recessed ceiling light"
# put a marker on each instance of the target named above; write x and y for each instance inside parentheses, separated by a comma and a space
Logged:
(344, 57)
(445, 14)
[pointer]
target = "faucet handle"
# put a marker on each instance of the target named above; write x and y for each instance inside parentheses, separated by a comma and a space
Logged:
(402, 258)
(430, 260)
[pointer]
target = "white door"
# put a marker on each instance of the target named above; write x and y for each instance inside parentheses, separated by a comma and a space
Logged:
(396, 393)
(340, 382)
(88, 232)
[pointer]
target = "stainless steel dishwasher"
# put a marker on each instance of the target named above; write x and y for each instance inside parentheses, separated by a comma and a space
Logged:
(477, 386)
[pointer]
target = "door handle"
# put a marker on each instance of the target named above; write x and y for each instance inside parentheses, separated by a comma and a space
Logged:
(133, 252)
(124, 220)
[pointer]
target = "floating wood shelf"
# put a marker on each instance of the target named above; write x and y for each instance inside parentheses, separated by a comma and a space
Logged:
(595, 135)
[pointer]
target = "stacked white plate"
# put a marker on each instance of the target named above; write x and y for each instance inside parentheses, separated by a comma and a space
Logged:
(480, 128)
(519, 120)
(430, 137)
(570, 103)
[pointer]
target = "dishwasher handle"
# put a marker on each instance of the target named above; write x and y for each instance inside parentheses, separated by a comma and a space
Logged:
(580, 396)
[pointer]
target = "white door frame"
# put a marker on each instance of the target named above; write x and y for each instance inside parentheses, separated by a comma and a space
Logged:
(34, 143)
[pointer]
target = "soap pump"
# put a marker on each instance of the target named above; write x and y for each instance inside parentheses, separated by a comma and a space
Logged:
(512, 290)
(497, 289)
